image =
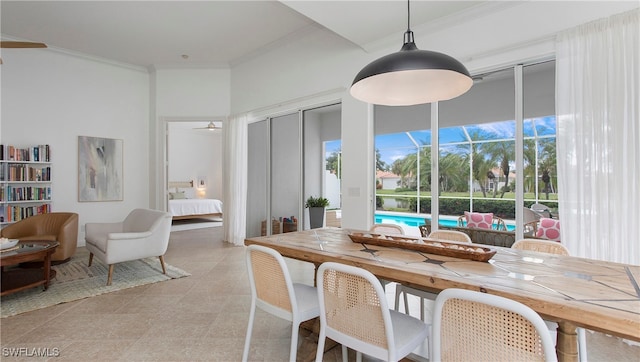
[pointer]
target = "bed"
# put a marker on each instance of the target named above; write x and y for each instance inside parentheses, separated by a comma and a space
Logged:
(184, 204)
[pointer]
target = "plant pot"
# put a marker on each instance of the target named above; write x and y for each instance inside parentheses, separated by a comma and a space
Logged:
(316, 217)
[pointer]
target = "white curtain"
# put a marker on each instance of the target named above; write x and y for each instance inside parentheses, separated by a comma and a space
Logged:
(598, 138)
(235, 180)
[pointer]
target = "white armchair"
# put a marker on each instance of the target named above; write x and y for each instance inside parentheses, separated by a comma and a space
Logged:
(144, 233)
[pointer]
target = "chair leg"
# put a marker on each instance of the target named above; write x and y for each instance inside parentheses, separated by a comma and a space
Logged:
(110, 275)
(345, 353)
(321, 338)
(247, 340)
(406, 303)
(582, 344)
(90, 259)
(164, 269)
(293, 350)
(397, 299)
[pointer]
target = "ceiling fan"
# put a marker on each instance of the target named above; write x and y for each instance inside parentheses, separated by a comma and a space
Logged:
(7, 44)
(211, 127)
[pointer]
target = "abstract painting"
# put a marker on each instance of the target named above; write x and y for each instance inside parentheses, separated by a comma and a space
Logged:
(100, 169)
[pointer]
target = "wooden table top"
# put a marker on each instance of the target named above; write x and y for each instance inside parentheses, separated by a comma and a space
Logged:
(27, 251)
(597, 295)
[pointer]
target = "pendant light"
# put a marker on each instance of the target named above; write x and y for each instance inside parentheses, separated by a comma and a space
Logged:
(411, 76)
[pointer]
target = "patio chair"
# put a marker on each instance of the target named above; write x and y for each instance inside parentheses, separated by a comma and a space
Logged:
(273, 291)
(482, 221)
(470, 325)
(530, 220)
(541, 209)
(553, 247)
(354, 313)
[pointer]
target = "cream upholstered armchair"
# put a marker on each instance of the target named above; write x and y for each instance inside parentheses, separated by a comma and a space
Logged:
(144, 233)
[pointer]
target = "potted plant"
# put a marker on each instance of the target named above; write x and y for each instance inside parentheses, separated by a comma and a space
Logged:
(316, 206)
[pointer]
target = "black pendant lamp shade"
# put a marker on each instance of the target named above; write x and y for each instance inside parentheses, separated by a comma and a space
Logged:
(411, 76)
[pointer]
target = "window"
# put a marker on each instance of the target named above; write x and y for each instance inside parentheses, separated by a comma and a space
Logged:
(477, 151)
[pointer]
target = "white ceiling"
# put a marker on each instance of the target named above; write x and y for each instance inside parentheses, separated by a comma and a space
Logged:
(213, 33)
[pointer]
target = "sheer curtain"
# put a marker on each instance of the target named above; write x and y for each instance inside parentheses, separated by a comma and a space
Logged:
(598, 138)
(235, 180)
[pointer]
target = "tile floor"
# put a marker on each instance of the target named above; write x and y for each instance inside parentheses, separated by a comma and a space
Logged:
(199, 318)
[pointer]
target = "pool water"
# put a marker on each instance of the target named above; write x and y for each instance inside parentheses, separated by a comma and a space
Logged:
(415, 220)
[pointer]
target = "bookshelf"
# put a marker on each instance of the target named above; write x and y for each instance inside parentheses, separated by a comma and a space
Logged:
(25, 182)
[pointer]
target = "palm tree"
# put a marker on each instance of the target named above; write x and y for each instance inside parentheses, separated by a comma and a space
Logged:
(547, 163)
(529, 154)
(380, 165)
(454, 173)
(481, 163)
(504, 151)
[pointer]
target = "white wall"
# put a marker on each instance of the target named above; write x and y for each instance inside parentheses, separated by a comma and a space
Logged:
(186, 95)
(52, 98)
(194, 155)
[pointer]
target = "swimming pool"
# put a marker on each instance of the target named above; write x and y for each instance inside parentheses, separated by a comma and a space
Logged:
(417, 220)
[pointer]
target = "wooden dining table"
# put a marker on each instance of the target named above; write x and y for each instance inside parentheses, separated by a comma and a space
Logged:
(574, 292)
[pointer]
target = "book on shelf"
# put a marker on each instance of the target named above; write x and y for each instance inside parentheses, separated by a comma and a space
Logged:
(39, 153)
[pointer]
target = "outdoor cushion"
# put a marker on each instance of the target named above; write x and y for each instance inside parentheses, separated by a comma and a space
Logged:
(549, 229)
(479, 220)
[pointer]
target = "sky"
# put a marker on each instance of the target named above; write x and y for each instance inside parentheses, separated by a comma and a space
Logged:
(397, 145)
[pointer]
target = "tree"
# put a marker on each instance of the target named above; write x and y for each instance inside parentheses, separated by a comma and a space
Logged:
(529, 155)
(380, 165)
(547, 163)
(334, 163)
(504, 151)
(454, 173)
(481, 163)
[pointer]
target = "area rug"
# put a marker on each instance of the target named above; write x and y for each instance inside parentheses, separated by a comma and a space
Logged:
(74, 280)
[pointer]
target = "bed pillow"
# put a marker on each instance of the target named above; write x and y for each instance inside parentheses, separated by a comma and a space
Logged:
(479, 220)
(549, 229)
(176, 195)
(189, 192)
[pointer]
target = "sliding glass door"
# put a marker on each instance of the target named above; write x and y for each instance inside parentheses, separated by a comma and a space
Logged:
(290, 158)
(286, 179)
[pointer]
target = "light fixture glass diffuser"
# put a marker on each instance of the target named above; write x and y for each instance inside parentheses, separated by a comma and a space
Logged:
(411, 76)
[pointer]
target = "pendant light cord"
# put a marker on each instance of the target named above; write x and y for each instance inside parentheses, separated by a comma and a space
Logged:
(408, 35)
(408, 16)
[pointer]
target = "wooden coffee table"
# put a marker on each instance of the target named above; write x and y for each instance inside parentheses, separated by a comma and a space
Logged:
(16, 279)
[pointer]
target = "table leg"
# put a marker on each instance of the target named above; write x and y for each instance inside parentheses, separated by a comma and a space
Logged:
(315, 274)
(47, 270)
(567, 343)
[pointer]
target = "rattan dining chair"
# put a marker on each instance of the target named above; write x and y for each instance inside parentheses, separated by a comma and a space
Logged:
(470, 325)
(448, 235)
(354, 312)
(273, 291)
(542, 246)
(554, 247)
(387, 229)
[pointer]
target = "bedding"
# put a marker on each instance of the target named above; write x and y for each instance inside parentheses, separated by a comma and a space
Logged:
(190, 208)
(184, 204)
